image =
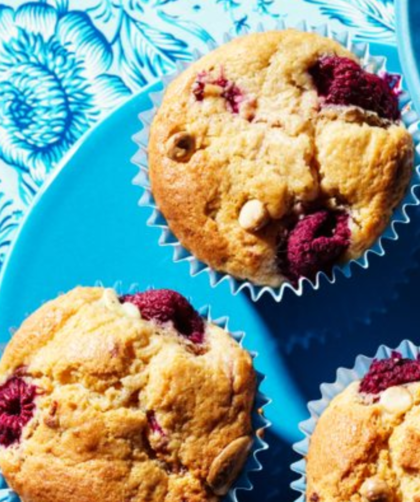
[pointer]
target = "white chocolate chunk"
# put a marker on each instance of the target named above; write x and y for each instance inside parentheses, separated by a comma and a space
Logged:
(110, 300)
(396, 400)
(414, 389)
(353, 388)
(212, 90)
(131, 310)
(253, 216)
(180, 147)
(375, 490)
(228, 464)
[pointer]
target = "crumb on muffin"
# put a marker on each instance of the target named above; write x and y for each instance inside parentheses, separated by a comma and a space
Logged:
(137, 397)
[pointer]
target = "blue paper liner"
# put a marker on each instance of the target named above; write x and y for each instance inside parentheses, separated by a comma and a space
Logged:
(345, 376)
(259, 422)
(167, 238)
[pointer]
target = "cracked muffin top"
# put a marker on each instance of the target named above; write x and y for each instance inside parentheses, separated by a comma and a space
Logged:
(131, 398)
(365, 447)
(277, 155)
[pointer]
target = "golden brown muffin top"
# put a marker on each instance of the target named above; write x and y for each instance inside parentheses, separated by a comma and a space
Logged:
(244, 146)
(365, 447)
(127, 407)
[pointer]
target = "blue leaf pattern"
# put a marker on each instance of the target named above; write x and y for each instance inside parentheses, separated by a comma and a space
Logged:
(241, 25)
(65, 64)
(374, 17)
(9, 221)
(76, 32)
(265, 6)
(159, 3)
(146, 52)
(103, 10)
(37, 18)
(189, 26)
(229, 4)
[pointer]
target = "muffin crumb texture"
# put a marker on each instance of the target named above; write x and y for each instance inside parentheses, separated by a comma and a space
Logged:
(123, 399)
(277, 156)
(365, 445)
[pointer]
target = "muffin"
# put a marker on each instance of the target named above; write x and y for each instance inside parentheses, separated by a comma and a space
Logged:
(132, 398)
(365, 447)
(277, 156)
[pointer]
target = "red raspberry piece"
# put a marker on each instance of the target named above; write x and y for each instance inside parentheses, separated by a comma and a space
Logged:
(154, 424)
(231, 92)
(16, 408)
(385, 373)
(342, 81)
(315, 243)
(165, 305)
(233, 96)
(199, 85)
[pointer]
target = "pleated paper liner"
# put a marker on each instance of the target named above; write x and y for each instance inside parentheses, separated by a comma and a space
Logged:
(345, 376)
(180, 254)
(259, 422)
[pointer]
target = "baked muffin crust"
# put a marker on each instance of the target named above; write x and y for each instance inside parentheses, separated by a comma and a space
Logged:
(246, 125)
(365, 446)
(126, 409)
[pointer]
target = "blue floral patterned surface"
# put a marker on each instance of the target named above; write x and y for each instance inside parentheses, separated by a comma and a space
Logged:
(66, 64)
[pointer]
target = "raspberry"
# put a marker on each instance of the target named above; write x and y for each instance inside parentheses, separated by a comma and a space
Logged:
(315, 243)
(154, 424)
(386, 373)
(165, 305)
(199, 85)
(342, 81)
(16, 408)
(231, 92)
(233, 96)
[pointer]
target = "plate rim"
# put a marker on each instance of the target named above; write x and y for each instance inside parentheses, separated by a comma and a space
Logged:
(60, 167)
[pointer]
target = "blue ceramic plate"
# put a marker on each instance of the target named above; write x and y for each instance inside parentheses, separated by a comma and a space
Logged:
(408, 37)
(86, 226)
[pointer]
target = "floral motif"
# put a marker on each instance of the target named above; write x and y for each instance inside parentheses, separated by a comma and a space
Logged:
(65, 64)
(264, 7)
(146, 50)
(53, 84)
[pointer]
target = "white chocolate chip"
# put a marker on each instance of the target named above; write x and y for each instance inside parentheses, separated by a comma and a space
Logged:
(180, 147)
(131, 310)
(212, 90)
(352, 391)
(375, 490)
(112, 303)
(253, 216)
(396, 400)
(414, 389)
(228, 464)
(110, 299)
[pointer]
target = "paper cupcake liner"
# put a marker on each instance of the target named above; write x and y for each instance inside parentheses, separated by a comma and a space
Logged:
(259, 421)
(180, 254)
(344, 378)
